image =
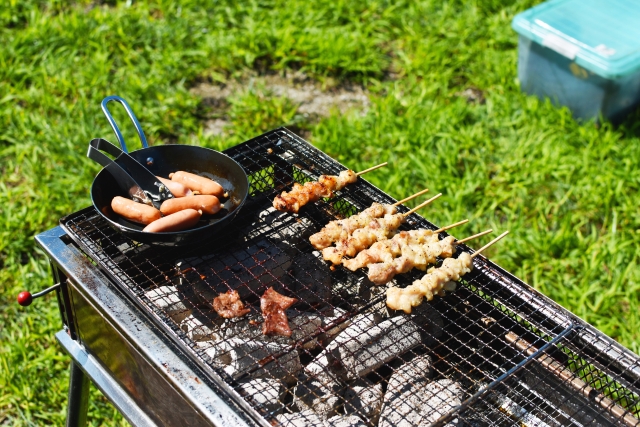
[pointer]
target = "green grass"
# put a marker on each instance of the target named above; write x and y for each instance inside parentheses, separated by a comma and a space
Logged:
(568, 191)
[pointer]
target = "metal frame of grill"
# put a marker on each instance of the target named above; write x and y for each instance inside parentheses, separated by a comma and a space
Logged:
(496, 351)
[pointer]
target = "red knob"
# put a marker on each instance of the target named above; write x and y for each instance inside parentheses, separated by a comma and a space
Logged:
(25, 298)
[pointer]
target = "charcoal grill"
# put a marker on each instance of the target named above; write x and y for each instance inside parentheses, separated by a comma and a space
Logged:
(138, 321)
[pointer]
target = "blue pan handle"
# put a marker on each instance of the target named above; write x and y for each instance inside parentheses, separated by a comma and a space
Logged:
(114, 126)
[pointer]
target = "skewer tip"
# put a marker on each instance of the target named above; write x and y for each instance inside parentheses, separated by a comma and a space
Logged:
(421, 205)
(371, 169)
(489, 244)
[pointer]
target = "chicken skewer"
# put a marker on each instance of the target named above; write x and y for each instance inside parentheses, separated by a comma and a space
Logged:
(312, 191)
(343, 228)
(387, 250)
(416, 256)
(435, 282)
(362, 238)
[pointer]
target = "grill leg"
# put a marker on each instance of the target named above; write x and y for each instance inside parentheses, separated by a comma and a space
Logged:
(78, 397)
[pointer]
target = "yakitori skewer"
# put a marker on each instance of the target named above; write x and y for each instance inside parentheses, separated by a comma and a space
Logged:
(435, 282)
(387, 250)
(378, 229)
(312, 191)
(416, 256)
(343, 228)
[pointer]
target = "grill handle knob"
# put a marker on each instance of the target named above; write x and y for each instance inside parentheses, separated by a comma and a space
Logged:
(25, 298)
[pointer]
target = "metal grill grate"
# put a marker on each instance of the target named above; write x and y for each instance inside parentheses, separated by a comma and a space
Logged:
(492, 353)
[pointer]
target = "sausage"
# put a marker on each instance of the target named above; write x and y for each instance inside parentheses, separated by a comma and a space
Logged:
(198, 183)
(175, 222)
(207, 204)
(134, 211)
(177, 189)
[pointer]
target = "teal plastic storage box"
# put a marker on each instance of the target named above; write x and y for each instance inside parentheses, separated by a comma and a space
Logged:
(584, 54)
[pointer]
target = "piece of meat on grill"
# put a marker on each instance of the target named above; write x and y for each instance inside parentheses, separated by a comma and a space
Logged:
(377, 230)
(229, 305)
(387, 250)
(312, 191)
(412, 256)
(273, 306)
(435, 282)
(342, 228)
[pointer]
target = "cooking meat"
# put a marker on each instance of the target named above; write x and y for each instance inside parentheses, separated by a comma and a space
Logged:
(378, 229)
(335, 230)
(177, 189)
(198, 183)
(300, 195)
(412, 256)
(273, 306)
(175, 222)
(387, 250)
(229, 305)
(207, 204)
(435, 282)
(134, 211)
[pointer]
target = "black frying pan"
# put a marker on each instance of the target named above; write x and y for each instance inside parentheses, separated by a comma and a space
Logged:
(161, 161)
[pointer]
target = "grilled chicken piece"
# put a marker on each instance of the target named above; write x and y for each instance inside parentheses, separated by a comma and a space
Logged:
(273, 306)
(340, 229)
(435, 282)
(229, 305)
(300, 195)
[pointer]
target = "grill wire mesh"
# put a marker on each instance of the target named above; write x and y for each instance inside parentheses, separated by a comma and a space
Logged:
(492, 353)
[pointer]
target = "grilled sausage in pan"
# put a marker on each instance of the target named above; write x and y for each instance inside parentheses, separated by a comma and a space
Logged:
(175, 222)
(134, 211)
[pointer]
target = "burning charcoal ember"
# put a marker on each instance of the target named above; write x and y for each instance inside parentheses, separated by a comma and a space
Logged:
(229, 305)
(350, 327)
(273, 306)
(345, 421)
(300, 419)
(319, 392)
(312, 283)
(420, 404)
(249, 271)
(361, 352)
(239, 356)
(167, 299)
(200, 328)
(263, 393)
(363, 399)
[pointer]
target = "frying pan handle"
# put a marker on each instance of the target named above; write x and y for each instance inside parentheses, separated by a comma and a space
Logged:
(114, 126)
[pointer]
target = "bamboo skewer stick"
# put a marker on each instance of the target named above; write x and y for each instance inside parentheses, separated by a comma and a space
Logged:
(449, 227)
(466, 239)
(476, 253)
(423, 204)
(372, 168)
(420, 193)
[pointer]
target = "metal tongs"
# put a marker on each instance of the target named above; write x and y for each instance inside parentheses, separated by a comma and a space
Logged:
(133, 178)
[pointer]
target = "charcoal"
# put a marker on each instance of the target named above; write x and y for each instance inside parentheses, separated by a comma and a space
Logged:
(420, 403)
(411, 374)
(263, 393)
(310, 279)
(363, 399)
(318, 390)
(249, 271)
(286, 229)
(169, 300)
(345, 421)
(360, 351)
(302, 324)
(429, 322)
(330, 334)
(200, 328)
(238, 356)
(300, 419)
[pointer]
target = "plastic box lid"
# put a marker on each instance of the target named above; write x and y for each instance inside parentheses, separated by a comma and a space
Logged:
(602, 36)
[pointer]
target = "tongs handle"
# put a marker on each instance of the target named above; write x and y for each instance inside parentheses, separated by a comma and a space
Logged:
(114, 126)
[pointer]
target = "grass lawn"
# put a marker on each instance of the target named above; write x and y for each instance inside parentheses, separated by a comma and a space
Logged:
(444, 109)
